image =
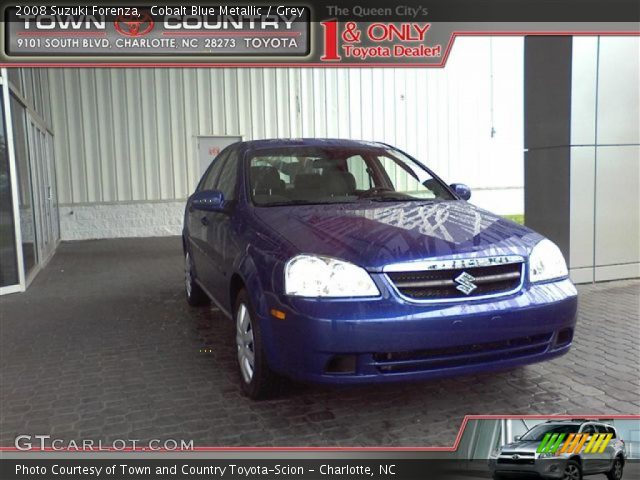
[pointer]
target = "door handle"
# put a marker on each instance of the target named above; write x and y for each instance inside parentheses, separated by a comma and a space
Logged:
(204, 221)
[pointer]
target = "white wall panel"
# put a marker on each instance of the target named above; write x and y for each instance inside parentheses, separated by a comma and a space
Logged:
(617, 238)
(619, 91)
(127, 135)
(105, 136)
(584, 81)
(605, 167)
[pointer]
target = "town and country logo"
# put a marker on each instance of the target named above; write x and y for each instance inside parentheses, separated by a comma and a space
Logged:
(574, 443)
(465, 282)
(134, 25)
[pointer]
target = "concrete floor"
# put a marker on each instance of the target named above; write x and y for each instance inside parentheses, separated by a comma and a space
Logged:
(104, 346)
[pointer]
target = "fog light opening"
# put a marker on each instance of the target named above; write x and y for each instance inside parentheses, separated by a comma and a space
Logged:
(564, 337)
(341, 365)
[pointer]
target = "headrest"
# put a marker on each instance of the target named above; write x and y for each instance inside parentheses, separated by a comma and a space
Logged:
(340, 183)
(265, 178)
(291, 168)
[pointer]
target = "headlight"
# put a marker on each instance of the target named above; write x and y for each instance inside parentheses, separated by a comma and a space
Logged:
(314, 276)
(546, 262)
(546, 455)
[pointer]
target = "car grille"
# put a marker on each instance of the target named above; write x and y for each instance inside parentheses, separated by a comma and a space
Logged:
(518, 461)
(459, 356)
(443, 284)
(524, 458)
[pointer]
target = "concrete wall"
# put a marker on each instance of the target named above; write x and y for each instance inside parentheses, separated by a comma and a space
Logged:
(125, 138)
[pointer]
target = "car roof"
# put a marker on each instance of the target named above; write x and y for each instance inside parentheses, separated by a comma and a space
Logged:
(307, 142)
(577, 422)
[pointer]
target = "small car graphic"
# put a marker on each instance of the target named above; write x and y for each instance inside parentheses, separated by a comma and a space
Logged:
(524, 458)
(346, 261)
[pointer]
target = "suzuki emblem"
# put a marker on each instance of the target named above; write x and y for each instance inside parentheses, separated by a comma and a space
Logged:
(465, 282)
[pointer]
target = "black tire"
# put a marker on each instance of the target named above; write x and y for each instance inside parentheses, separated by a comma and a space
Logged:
(572, 471)
(195, 295)
(257, 380)
(616, 469)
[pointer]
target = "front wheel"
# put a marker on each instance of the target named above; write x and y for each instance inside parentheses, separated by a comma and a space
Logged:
(572, 471)
(257, 379)
(616, 470)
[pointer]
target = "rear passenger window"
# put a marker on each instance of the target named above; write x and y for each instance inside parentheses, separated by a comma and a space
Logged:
(601, 429)
(226, 182)
(210, 178)
(612, 431)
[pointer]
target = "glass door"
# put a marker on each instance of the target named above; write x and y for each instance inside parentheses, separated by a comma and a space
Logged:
(44, 189)
(10, 278)
(26, 206)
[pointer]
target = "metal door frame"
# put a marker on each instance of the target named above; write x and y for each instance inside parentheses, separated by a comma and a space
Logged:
(13, 178)
(8, 90)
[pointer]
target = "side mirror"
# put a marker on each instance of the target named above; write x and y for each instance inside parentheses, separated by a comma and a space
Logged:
(517, 438)
(462, 190)
(208, 200)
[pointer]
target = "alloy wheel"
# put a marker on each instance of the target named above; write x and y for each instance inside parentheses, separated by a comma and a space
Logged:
(244, 341)
(571, 472)
(617, 469)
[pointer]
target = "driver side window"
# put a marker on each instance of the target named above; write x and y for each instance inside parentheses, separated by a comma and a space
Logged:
(357, 167)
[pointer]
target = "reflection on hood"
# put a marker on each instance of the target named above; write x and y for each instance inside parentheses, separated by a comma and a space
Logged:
(374, 234)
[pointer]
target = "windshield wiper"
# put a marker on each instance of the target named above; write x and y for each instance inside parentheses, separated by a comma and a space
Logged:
(303, 202)
(373, 191)
(400, 197)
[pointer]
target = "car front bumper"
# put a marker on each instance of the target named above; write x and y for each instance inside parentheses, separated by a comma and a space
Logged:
(541, 468)
(388, 339)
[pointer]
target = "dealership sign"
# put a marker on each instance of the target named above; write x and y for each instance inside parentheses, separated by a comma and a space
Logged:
(322, 33)
(220, 30)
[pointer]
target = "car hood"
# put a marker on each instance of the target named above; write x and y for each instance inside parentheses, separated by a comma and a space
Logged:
(520, 446)
(375, 234)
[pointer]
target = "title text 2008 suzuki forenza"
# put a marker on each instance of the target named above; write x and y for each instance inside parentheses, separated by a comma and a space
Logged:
(344, 261)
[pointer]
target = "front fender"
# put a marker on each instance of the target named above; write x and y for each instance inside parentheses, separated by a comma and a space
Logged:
(259, 273)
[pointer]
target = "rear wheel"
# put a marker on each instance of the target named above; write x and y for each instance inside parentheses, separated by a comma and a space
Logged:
(572, 471)
(616, 470)
(258, 381)
(195, 295)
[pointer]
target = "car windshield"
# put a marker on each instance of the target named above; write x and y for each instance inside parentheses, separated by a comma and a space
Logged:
(537, 433)
(297, 175)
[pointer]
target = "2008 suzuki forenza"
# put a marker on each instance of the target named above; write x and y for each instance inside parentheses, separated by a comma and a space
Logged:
(343, 261)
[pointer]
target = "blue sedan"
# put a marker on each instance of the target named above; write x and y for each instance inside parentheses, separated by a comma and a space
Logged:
(346, 262)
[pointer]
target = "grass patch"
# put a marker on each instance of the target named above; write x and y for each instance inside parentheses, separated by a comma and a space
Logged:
(516, 218)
